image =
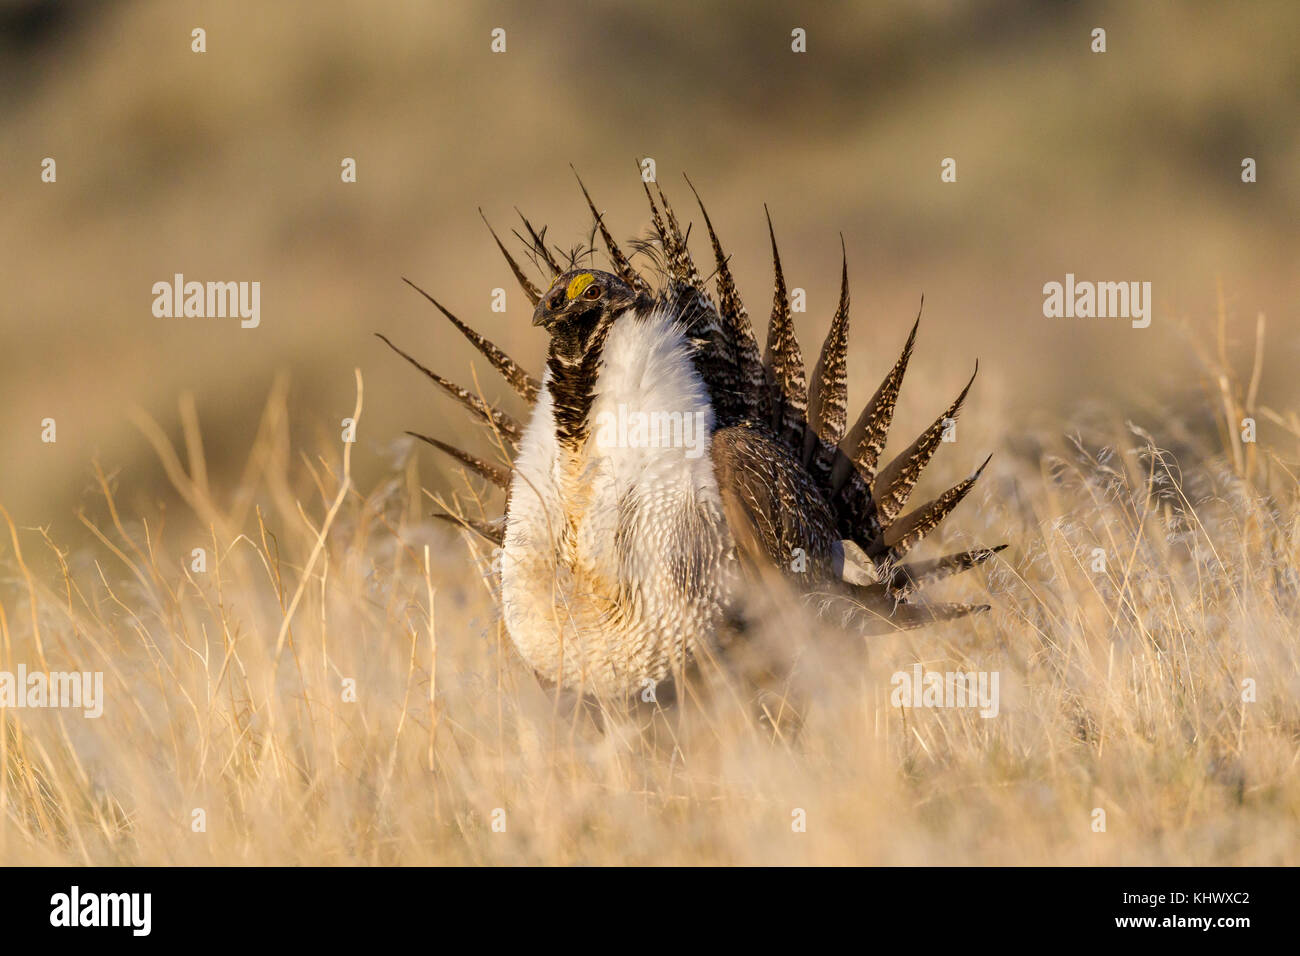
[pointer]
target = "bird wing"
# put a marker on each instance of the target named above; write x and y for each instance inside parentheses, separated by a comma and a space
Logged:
(773, 507)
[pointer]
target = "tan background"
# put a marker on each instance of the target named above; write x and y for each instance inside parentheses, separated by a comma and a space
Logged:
(225, 166)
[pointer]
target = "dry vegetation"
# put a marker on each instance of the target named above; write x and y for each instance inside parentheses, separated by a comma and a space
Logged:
(1121, 689)
(225, 689)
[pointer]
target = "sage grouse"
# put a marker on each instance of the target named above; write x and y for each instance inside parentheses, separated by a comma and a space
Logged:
(667, 462)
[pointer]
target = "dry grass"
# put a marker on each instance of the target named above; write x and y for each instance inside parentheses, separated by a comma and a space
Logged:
(1121, 689)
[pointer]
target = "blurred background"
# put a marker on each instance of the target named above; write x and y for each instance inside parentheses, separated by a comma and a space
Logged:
(1123, 166)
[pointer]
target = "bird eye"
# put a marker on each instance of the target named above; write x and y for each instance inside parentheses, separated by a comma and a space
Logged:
(593, 291)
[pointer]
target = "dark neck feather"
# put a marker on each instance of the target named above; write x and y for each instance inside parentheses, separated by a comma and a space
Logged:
(574, 361)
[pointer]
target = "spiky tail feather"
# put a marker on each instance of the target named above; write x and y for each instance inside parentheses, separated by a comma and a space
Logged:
(488, 414)
(524, 384)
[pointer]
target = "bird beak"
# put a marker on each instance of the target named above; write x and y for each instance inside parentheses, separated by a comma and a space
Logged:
(539, 315)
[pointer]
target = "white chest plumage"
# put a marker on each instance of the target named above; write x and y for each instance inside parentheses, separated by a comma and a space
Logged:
(616, 555)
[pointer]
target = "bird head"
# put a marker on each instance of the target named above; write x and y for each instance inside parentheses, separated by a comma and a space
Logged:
(579, 294)
(578, 304)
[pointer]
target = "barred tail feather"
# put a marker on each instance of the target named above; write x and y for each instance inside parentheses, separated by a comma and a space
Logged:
(829, 387)
(680, 262)
(657, 221)
(524, 384)
(531, 291)
(622, 265)
(901, 536)
(493, 531)
(755, 400)
(908, 578)
(866, 440)
(489, 414)
(498, 476)
(784, 361)
(896, 480)
(870, 611)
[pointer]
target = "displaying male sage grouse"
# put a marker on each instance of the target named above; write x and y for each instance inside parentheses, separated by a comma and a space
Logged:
(667, 462)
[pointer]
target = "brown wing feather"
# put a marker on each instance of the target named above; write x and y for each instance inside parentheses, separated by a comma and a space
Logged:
(772, 504)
